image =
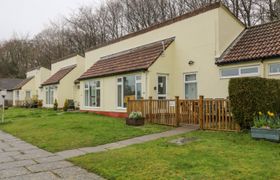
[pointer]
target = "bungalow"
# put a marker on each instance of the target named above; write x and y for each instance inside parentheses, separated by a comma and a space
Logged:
(61, 85)
(174, 58)
(29, 88)
(8, 84)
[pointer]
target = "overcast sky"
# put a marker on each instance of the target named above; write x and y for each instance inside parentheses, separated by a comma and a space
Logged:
(31, 16)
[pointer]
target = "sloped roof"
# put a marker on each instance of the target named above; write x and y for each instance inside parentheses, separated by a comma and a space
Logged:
(9, 83)
(54, 79)
(22, 83)
(136, 59)
(255, 43)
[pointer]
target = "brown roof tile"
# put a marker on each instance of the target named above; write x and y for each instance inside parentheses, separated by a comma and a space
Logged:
(22, 83)
(54, 79)
(255, 43)
(136, 59)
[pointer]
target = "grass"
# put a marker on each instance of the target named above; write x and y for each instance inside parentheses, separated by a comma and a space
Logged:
(58, 131)
(217, 155)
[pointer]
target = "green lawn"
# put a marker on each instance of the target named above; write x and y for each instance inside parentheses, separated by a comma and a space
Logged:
(217, 155)
(57, 131)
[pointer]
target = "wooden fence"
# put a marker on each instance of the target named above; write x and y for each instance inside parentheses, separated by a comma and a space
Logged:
(211, 114)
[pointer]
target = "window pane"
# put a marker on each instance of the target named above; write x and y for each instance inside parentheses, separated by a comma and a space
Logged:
(190, 77)
(274, 68)
(86, 97)
(139, 90)
(97, 83)
(230, 72)
(138, 78)
(98, 98)
(92, 95)
(191, 90)
(162, 85)
(119, 95)
(47, 97)
(249, 70)
(129, 88)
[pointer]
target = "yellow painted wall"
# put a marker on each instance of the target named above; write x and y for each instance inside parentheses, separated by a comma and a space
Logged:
(39, 76)
(200, 39)
(66, 89)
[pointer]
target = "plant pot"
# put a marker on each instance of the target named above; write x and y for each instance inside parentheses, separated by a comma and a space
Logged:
(269, 134)
(135, 122)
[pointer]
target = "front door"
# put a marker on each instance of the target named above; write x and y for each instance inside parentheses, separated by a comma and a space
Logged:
(162, 86)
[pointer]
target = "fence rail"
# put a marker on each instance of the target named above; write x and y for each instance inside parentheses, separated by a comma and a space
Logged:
(211, 114)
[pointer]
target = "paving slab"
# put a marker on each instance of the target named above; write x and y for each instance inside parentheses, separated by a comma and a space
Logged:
(75, 173)
(22, 161)
(71, 153)
(49, 166)
(13, 172)
(52, 158)
(15, 164)
(36, 176)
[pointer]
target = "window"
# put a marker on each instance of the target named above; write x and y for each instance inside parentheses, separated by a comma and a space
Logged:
(274, 69)
(128, 87)
(27, 95)
(17, 94)
(190, 86)
(49, 95)
(162, 87)
(92, 94)
(240, 72)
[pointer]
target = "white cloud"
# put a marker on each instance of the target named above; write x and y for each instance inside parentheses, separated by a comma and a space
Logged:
(30, 16)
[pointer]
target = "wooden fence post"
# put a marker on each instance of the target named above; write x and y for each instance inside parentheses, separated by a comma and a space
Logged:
(150, 109)
(177, 111)
(201, 112)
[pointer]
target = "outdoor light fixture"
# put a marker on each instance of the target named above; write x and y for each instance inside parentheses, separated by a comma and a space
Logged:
(3, 94)
(191, 62)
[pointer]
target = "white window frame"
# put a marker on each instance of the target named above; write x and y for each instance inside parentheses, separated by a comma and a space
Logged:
(272, 73)
(138, 80)
(92, 84)
(17, 94)
(189, 82)
(28, 92)
(50, 97)
(166, 91)
(239, 72)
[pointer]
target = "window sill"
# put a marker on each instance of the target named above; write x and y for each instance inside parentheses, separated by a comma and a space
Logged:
(274, 74)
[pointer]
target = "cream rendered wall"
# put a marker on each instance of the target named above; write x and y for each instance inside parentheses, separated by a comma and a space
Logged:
(200, 39)
(109, 92)
(165, 65)
(61, 64)
(30, 86)
(66, 89)
(264, 71)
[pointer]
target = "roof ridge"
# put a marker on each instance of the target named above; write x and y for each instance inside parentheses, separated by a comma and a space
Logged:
(263, 24)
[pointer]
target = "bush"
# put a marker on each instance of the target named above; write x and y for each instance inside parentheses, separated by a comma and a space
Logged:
(135, 115)
(40, 103)
(249, 96)
(55, 105)
(65, 107)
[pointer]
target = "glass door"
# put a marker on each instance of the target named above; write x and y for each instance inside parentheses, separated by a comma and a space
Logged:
(162, 86)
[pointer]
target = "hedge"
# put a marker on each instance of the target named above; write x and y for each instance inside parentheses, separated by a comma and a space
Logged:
(249, 96)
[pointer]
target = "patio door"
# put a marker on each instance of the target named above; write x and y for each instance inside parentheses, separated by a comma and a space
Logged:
(162, 86)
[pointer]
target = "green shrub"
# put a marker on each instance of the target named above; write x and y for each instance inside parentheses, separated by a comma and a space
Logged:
(249, 96)
(55, 105)
(65, 107)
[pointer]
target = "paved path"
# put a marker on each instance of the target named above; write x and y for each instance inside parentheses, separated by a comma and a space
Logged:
(22, 161)
(124, 143)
